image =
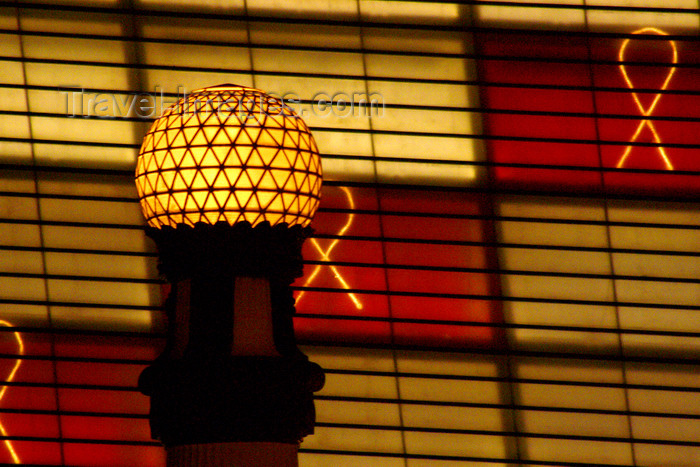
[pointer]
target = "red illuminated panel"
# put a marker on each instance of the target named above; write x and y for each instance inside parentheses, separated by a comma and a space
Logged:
(455, 275)
(111, 455)
(540, 78)
(632, 96)
(24, 394)
(103, 417)
(108, 347)
(423, 255)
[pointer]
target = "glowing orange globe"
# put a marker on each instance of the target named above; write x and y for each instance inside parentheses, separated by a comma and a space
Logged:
(228, 153)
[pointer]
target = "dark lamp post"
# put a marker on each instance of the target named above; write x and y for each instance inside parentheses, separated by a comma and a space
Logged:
(229, 179)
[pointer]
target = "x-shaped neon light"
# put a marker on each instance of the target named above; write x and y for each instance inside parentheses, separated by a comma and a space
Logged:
(648, 111)
(13, 372)
(326, 255)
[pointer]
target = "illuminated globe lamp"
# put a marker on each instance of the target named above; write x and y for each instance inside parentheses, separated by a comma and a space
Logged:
(229, 179)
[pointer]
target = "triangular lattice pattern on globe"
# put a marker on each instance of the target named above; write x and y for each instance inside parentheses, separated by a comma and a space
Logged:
(228, 153)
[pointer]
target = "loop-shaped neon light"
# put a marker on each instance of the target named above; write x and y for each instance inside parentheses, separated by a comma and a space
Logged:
(646, 112)
(10, 377)
(326, 255)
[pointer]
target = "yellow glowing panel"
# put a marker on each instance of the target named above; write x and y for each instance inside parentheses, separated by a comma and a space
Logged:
(10, 45)
(108, 319)
(173, 80)
(104, 3)
(57, 236)
(60, 48)
(343, 8)
(12, 126)
(60, 75)
(307, 62)
(566, 451)
(306, 34)
(348, 439)
(232, 6)
(307, 459)
(241, 133)
(587, 16)
(677, 456)
(679, 266)
(413, 12)
(649, 110)
(455, 149)
(449, 390)
(8, 19)
(107, 292)
(365, 413)
(102, 265)
(544, 18)
(621, 20)
(190, 55)
(45, 20)
(465, 146)
(556, 261)
(85, 184)
(682, 402)
(223, 30)
(370, 360)
(412, 40)
(64, 210)
(583, 397)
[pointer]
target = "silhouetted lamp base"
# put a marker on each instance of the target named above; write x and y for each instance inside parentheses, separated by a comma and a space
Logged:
(234, 454)
(231, 376)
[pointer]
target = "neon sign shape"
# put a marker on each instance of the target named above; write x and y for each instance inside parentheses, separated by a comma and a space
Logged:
(648, 111)
(20, 348)
(326, 255)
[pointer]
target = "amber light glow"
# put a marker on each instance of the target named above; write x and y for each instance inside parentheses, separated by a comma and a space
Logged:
(648, 111)
(228, 153)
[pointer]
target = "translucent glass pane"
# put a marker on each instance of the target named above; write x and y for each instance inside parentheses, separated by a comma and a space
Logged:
(585, 452)
(103, 293)
(307, 459)
(410, 12)
(65, 21)
(415, 95)
(527, 231)
(340, 8)
(574, 397)
(125, 213)
(628, 21)
(195, 29)
(445, 415)
(73, 49)
(104, 319)
(12, 98)
(675, 267)
(363, 440)
(102, 265)
(95, 238)
(538, 15)
(193, 55)
(357, 413)
(231, 6)
(307, 35)
(89, 184)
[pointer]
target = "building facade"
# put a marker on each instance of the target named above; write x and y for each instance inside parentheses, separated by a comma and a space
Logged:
(506, 264)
